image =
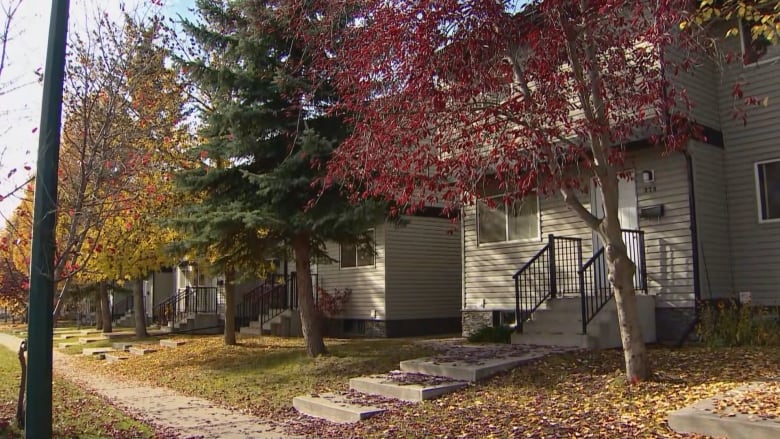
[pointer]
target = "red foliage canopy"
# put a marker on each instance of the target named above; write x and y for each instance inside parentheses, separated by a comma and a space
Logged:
(444, 93)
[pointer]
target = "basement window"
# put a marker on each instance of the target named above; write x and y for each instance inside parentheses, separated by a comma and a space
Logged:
(768, 190)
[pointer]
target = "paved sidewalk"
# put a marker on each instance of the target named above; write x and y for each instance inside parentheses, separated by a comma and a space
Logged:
(187, 416)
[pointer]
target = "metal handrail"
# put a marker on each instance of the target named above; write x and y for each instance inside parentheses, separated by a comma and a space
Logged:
(539, 279)
(600, 289)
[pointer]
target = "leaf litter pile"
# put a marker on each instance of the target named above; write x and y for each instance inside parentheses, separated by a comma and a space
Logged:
(578, 394)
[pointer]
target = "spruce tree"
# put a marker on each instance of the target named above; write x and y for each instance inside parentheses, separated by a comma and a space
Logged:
(265, 141)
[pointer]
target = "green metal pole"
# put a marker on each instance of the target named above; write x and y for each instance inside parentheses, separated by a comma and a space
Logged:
(39, 345)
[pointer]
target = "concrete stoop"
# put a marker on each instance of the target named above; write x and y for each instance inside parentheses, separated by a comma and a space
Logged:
(396, 386)
(701, 418)
(418, 380)
(335, 407)
(171, 343)
(465, 371)
(286, 324)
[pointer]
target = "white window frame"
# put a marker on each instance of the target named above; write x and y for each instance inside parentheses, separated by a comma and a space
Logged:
(357, 266)
(506, 223)
(759, 200)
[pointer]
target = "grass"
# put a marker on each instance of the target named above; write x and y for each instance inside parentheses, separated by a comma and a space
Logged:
(579, 394)
(76, 414)
(261, 374)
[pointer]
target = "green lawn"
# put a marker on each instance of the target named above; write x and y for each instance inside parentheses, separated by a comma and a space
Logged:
(76, 414)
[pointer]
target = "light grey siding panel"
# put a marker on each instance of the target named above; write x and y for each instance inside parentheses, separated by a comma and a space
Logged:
(367, 283)
(712, 218)
(669, 255)
(698, 84)
(489, 267)
(755, 246)
(423, 269)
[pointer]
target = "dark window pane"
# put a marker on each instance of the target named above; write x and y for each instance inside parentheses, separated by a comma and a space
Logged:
(769, 188)
(492, 223)
(348, 255)
(524, 219)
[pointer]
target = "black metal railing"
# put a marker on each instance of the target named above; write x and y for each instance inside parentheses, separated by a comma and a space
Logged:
(121, 306)
(271, 298)
(595, 288)
(186, 302)
(552, 271)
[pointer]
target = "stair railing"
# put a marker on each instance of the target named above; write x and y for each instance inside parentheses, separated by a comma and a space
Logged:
(551, 271)
(595, 287)
(187, 301)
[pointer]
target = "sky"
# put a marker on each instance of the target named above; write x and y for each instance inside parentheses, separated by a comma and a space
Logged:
(20, 91)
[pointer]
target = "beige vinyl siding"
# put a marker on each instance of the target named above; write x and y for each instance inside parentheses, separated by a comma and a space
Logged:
(367, 283)
(423, 269)
(712, 219)
(699, 84)
(488, 268)
(755, 246)
(668, 245)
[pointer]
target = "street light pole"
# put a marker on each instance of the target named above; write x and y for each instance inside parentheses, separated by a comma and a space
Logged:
(38, 421)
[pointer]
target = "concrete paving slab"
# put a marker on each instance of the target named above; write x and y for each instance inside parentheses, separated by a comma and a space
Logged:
(702, 418)
(467, 371)
(141, 350)
(334, 408)
(115, 357)
(412, 392)
(168, 343)
(95, 351)
(122, 346)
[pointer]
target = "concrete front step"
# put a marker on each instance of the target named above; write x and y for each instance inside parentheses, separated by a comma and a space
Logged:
(142, 350)
(465, 371)
(403, 386)
(115, 357)
(122, 346)
(171, 343)
(95, 351)
(702, 418)
(334, 407)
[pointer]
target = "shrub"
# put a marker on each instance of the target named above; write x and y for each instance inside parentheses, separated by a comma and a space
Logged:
(492, 334)
(727, 323)
(332, 304)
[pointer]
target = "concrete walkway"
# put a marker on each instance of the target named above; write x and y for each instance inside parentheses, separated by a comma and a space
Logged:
(186, 416)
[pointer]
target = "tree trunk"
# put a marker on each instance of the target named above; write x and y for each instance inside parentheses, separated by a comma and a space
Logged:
(621, 274)
(139, 309)
(105, 309)
(98, 311)
(310, 319)
(230, 307)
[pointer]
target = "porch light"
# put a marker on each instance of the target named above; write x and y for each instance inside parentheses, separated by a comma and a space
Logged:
(648, 176)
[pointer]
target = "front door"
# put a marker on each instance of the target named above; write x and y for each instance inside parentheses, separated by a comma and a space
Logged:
(629, 220)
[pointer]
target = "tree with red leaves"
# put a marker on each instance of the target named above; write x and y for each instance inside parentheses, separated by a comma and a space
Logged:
(449, 97)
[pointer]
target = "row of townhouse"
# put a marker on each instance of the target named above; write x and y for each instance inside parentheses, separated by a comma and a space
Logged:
(701, 224)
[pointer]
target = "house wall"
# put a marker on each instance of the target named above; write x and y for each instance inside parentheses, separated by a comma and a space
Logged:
(712, 221)
(698, 83)
(423, 269)
(755, 246)
(488, 268)
(367, 283)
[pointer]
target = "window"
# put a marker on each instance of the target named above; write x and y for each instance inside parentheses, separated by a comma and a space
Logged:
(768, 182)
(357, 254)
(511, 221)
(755, 45)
